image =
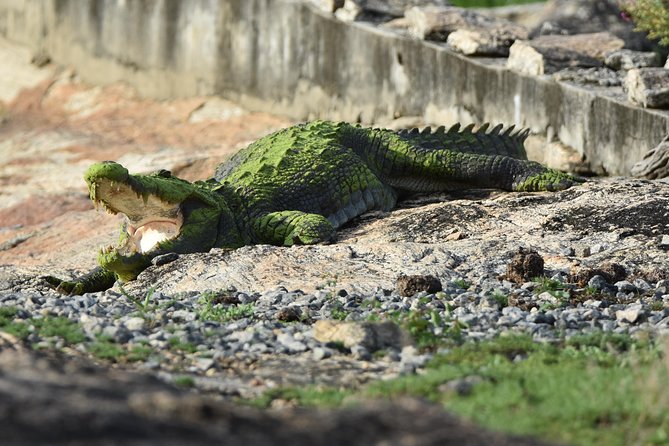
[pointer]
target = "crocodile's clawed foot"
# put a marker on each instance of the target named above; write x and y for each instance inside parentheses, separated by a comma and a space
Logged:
(66, 287)
(548, 180)
(565, 183)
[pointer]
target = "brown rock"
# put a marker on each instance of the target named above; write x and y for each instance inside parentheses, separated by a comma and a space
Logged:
(568, 17)
(516, 300)
(371, 335)
(289, 314)
(525, 266)
(482, 42)
(410, 285)
(648, 87)
(628, 59)
(610, 271)
(547, 54)
(436, 23)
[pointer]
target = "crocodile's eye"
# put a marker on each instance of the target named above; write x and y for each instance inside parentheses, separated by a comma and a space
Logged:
(164, 173)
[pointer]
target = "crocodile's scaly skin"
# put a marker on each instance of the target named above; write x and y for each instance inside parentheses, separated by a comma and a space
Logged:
(301, 183)
(340, 171)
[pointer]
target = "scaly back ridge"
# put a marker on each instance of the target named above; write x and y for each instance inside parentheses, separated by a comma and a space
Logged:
(496, 141)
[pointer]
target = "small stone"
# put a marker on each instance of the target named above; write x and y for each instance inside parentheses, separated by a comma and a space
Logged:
(410, 356)
(361, 353)
(321, 353)
(642, 285)
(662, 286)
(462, 386)
(204, 364)
(597, 248)
(664, 243)
(410, 285)
(540, 317)
(457, 235)
(371, 335)
(598, 282)
(567, 251)
(289, 314)
(243, 336)
(632, 314)
(525, 265)
(135, 323)
(625, 286)
(582, 251)
(288, 341)
(183, 316)
(110, 331)
(164, 259)
(548, 298)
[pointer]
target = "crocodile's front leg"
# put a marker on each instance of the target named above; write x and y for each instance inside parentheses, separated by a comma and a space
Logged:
(99, 279)
(289, 228)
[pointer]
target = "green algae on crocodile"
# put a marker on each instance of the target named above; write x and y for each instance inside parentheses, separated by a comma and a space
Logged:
(297, 186)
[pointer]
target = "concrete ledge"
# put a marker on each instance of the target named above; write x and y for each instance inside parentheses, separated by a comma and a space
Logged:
(288, 57)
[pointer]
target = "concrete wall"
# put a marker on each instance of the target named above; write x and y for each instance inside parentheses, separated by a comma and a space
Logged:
(286, 56)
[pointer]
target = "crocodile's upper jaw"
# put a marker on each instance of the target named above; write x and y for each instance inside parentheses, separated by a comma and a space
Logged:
(149, 220)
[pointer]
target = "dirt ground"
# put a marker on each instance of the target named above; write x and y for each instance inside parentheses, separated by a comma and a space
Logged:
(52, 127)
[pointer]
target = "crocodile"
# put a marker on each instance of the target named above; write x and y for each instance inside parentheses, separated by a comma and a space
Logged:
(297, 186)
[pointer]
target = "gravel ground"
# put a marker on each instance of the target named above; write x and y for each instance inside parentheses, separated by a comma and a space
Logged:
(206, 335)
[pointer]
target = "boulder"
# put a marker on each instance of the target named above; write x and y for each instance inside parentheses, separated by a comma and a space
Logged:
(548, 54)
(648, 87)
(479, 34)
(628, 59)
(567, 17)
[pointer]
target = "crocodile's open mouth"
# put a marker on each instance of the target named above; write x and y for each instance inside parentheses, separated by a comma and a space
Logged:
(149, 220)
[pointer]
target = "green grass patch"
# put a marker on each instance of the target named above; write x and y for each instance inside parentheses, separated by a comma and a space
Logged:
(61, 327)
(139, 353)
(105, 348)
(144, 304)
(184, 381)
(210, 310)
(46, 327)
(337, 312)
(7, 324)
(177, 344)
(598, 389)
(462, 284)
(501, 298)
(428, 329)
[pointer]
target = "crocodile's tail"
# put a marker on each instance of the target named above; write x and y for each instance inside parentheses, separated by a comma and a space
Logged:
(498, 141)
